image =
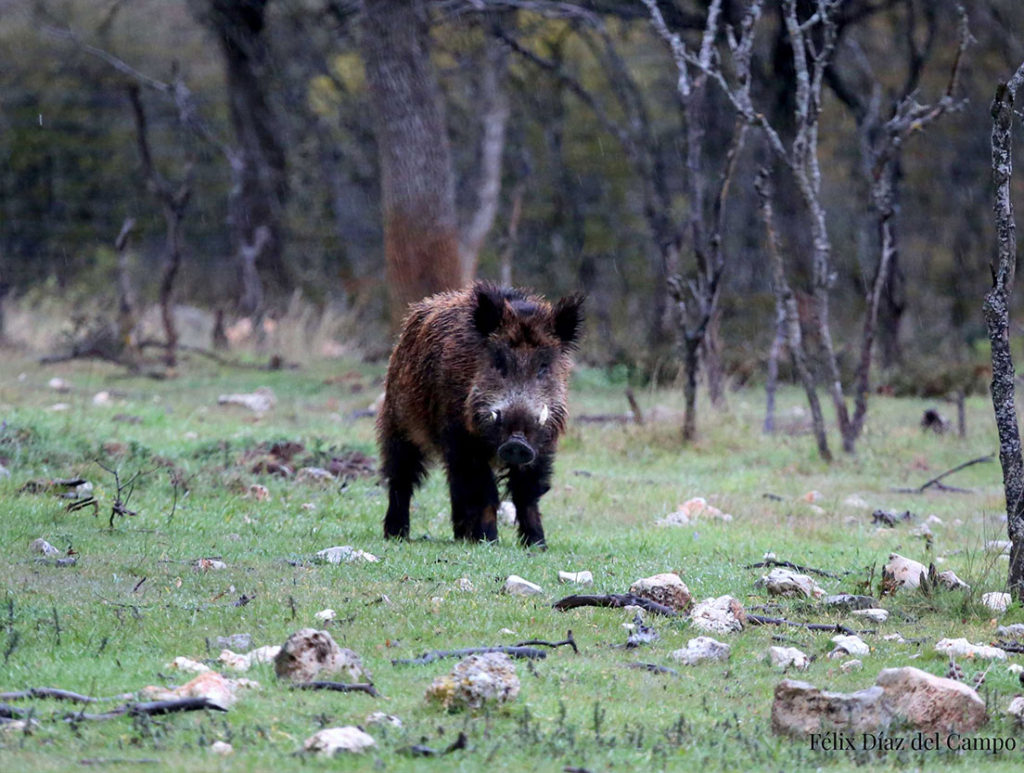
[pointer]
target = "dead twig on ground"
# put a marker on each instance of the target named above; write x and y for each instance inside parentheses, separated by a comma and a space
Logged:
(567, 641)
(936, 481)
(654, 668)
(149, 708)
(613, 600)
(55, 693)
(529, 653)
(770, 562)
(367, 688)
(831, 627)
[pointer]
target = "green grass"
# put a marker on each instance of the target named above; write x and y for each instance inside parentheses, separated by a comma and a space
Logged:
(133, 602)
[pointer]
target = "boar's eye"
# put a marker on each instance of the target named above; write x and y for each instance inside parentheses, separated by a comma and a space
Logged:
(496, 416)
(542, 371)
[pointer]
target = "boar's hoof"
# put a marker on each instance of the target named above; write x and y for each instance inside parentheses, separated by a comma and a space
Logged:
(516, 452)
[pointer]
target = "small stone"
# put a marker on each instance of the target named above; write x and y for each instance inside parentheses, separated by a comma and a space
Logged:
(259, 492)
(931, 703)
(221, 748)
(874, 615)
(314, 475)
(961, 648)
(785, 658)
(719, 615)
(236, 641)
(1016, 707)
(191, 435)
(240, 662)
(1015, 668)
(894, 637)
(812, 496)
(259, 401)
(933, 520)
(309, 654)
(58, 384)
(691, 510)
(851, 665)
(507, 514)
(997, 602)
(800, 709)
(998, 546)
(345, 554)
(666, 588)
(848, 601)
(701, 649)
(4, 472)
(188, 666)
(517, 586)
(1013, 631)
(849, 645)
(208, 565)
(951, 581)
(42, 546)
(325, 615)
(101, 398)
(23, 726)
(784, 582)
(856, 501)
(382, 718)
(579, 578)
(905, 571)
(465, 584)
(331, 740)
(59, 407)
(479, 680)
(209, 684)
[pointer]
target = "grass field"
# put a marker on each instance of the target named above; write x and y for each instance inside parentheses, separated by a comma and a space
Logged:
(133, 601)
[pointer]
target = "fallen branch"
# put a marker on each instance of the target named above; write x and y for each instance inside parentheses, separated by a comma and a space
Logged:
(150, 708)
(942, 487)
(654, 668)
(56, 694)
(367, 688)
(613, 600)
(769, 562)
(422, 750)
(568, 640)
(638, 415)
(831, 627)
(1015, 647)
(429, 657)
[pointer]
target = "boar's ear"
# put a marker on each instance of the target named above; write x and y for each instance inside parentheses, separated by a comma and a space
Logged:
(488, 309)
(568, 319)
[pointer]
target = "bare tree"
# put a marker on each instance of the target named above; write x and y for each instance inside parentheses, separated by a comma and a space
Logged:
(421, 240)
(174, 199)
(127, 309)
(997, 319)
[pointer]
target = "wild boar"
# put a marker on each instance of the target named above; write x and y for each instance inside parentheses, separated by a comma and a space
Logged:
(478, 378)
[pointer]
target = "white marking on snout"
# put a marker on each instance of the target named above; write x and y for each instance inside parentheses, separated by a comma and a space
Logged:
(543, 417)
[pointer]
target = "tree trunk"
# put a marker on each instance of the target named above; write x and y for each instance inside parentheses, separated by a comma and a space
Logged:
(417, 178)
(771, 383)
(260, 188)
(997, 319)
(127, 312)
(691, 361)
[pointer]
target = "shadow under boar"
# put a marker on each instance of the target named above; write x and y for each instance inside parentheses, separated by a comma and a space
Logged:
(479, 378)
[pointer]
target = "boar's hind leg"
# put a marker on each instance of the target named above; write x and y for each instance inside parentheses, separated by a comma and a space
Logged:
(527, 485)
(474, 492)
(403, 468)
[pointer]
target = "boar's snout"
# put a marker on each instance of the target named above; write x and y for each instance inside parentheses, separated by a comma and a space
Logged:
(516, 451)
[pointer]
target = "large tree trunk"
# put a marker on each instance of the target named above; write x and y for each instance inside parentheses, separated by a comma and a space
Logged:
(417, 180)
(260, 187)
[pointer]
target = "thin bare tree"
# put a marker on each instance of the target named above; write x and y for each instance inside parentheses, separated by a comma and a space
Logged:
(997, 319)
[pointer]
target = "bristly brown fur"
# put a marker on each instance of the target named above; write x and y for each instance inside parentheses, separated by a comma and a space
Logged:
(472, 368)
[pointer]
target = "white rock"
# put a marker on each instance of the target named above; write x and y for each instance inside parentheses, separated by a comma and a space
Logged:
(851, 665)
(666, 588)
(933, 520)
(325, 615)
(951, 581)
(931, 703)
(1014, 630)
(785, 658)
(856, 501)
(784, 582)
(997, 602)
(800, 709)
(998, 546)
(42, 546)
(382, 718)
(849, 645)
(314, 475)
(23, 726)
(4, 472)
(221, 748)
(812, 496)
(579, 578)
(59, 407)
(188, 666)
(961, 648)
(1016, 707)
(924, 530)
(894, 637)
(701, 649)
(874, 615)
(101, 398)
(259, 492)
(345, 554)
(209, 684)
(330, 741)
(517, 586)
(691, 510)
(58, 384)
(309, 654)
(1015, 668)
(478, 680)
(191, 435)
(507, 514)
(719, 615)
(208, 564)
(905, 571)
(465, 584)
(260, 401)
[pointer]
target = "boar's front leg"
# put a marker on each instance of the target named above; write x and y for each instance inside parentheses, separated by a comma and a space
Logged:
(527, 485)
(474, 493)
(403, 467)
